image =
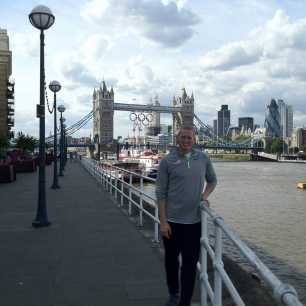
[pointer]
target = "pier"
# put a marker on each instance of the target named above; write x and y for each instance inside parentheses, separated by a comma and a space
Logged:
(91, 255)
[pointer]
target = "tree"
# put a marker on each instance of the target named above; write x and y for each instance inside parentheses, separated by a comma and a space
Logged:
(277, 145)
(26, 143)
(4, 144)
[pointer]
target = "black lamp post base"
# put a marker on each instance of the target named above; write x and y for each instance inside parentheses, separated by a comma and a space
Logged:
(38, 223)
(55, 187)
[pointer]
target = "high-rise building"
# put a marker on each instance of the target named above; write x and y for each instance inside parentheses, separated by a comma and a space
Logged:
(290, 120)
(272, 121)
(246, 123)
(286, 118)
(215, 125)
(6, 87)
(224, 120)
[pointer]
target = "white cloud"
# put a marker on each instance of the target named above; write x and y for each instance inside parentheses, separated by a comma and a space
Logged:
(25, 44)
(167, 23)
(247, 74)
(232, 55)
(95, 9)
(94, 47)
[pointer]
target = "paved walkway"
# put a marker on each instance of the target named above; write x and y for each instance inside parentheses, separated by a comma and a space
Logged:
(91, 254)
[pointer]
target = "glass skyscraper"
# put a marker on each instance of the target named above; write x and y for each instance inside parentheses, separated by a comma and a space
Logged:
(224, 120)
(272, 121)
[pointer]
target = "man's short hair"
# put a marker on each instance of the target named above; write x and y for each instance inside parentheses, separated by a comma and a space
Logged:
(185, 127)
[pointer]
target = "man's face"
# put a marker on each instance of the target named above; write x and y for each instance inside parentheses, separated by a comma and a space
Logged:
(186, 140)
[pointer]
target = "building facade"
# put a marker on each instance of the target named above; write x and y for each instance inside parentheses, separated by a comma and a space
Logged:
(286, 119)
(224, 120)
(6, 88)
(301, 138)
(246, 123)
(185, 117)
(272, 120)
(215, 127)
(103, 115)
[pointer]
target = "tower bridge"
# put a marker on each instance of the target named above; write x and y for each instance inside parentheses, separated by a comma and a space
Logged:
(182, 111)
(146, 108)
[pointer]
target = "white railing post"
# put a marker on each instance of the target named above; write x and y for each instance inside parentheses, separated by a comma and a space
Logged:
(218, 262)
(110, 180)
(122, 190)
(156, 225)
(130, 193)
(103, 175)
(203, 259)
(116, 183)
(141, 202)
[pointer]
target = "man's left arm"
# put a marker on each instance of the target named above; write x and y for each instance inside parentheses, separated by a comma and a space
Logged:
(211, 181)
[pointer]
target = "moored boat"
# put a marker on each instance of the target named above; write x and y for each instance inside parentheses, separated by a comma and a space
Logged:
(301, 185)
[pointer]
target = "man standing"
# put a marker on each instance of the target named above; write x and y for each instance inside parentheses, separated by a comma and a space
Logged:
(179, 190)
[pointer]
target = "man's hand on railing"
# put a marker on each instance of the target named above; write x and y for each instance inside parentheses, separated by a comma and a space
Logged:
(205, 202)
(165, 229)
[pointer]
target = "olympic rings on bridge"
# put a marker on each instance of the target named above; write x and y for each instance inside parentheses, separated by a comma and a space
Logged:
(141, 118)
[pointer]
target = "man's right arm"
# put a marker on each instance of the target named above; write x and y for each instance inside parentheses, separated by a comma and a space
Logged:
(165, 228)
(161, 195)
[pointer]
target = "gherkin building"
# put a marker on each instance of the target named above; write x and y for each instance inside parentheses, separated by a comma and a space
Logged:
(272, 121)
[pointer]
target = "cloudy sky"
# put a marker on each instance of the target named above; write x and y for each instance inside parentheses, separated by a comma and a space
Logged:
(236, 52)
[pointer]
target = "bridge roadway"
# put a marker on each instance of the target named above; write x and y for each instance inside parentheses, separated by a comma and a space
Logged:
(91, 255)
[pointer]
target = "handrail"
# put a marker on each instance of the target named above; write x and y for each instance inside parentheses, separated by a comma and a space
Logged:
(109, 176)
(283, 293)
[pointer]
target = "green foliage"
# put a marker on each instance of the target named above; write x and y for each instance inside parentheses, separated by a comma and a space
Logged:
(304, 148)
(278, 145)
(26, 143)
(4, 143)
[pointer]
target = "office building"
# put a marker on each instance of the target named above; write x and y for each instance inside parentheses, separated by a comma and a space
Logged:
(286, 118)
(272, 120)
(6, 88)
(215, 125)
(224, 120)
(246, 123)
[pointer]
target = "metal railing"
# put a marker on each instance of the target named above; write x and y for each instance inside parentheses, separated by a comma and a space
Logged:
(283, 293)
(119, 182)
(114, 179)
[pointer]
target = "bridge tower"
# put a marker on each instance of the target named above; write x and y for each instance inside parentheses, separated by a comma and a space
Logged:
(103, 115)
(185, 116)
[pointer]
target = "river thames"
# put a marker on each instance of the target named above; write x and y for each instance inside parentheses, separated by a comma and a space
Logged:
(261, 202)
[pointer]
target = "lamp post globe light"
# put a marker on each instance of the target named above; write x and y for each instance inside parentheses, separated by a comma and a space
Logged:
(41, 18)
(55, 87)
(61, 109)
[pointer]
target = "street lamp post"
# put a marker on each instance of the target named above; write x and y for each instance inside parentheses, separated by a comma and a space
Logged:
(64, 146)
(41, 18)
(61, 109)
(55, 87)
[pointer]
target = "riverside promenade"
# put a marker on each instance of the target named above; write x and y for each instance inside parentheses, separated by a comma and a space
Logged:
(91, 255)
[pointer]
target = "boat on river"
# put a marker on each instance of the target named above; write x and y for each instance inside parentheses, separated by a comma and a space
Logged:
(301, 185)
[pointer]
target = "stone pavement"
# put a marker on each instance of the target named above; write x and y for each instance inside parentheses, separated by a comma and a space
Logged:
(91, 255)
